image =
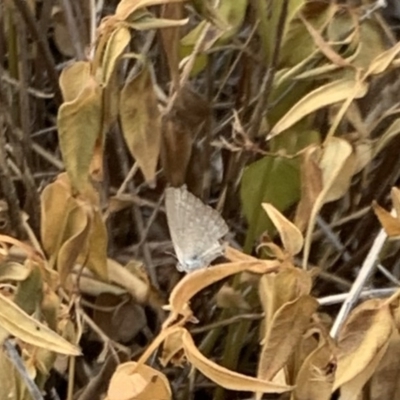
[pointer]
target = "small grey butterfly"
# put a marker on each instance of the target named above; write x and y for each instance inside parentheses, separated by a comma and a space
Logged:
(195, 229)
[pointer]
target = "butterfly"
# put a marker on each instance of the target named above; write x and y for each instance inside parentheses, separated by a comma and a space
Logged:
(195, 229)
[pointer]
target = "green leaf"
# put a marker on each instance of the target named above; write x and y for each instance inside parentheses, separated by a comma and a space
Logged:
(274, 180)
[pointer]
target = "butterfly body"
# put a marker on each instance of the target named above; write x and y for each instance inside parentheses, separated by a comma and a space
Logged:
(195, 229)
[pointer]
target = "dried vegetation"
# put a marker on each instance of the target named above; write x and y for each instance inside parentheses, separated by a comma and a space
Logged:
(281, 114)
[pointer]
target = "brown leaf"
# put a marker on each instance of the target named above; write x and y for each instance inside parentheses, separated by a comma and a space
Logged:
(390, 224)
(141, 122)
(180, 127)
(170, 39)
(311, 185)
(315, 378)
(288, 308)
(361, 342)
(385, 383)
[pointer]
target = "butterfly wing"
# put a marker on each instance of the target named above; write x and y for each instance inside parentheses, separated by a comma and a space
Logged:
(195, 229)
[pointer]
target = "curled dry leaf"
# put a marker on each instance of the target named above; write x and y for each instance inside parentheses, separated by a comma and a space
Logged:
(361, 344)
(315, 378)
(291, 236)
(196, 281)
(141, 122)
(337, 170)
(172, 351)
(134, 381)
(19, 324)
(224, 377)
(72, 229)
(288, 308)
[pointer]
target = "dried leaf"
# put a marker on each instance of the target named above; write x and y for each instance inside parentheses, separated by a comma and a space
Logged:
(224, 377)
(335, 178)
(125, 8)
(311, 186)
(196, 281)
(390, 224)
(383, 61)
(315, 378)
(385, 384)
(361, 343)
(141, 122)
(133, 381)
(116, 44)
(323, 96)
(291, 237)
(19, 324)
(288, 308)
(79, 123)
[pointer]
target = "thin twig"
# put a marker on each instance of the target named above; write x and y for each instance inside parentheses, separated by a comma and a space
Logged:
(340, 298)
(358, 285)
(17, 362)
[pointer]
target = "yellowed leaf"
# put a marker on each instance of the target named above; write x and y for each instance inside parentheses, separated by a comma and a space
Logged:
(96, 259)
(383, 61)
(336, 178)
(311, 186)
(292, 238)
(19, 324)
(73, 79)
(74, 240)
(126, 7)
(79, 124)
(135, 286)
(141, 122)
(56, 200)
(116, 44)
(224, 377)
(323, 96)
